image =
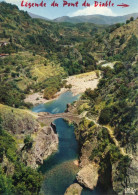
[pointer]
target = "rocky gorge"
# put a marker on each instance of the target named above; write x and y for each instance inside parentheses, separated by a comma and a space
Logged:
(97, 166)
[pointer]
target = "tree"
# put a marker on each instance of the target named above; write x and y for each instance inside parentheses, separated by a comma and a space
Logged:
(28, 141)
(117, 25)
(118, 67)
(127, 21)
(6, 186)
(49, 92)
(26, 180)
(105, 116)
(132, 19)
(91, 93)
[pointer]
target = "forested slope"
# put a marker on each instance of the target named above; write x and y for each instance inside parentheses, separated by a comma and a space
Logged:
(108, 132)
(36, 55)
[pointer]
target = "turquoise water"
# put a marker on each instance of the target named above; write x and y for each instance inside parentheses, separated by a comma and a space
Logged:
(57, 106)
(59, 169)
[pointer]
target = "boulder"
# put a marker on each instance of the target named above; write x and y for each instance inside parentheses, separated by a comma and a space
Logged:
(74, 189)
(88, 176)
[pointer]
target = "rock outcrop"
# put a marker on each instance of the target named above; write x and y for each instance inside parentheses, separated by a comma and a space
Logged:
(130, 187)
(88, 176)
(74, 189)
(45, 143)
(18, 121)
(21, 123)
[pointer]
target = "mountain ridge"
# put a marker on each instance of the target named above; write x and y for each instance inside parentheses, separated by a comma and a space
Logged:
(96, 18)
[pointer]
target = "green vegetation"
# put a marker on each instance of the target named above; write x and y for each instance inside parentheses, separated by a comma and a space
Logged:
(28, 141)
(55, 42)
(117, 102)
(39, 54)
(51, 86)
(15, 177)
(21, 73)
(113, 104)
(105, 116)
(11, 95)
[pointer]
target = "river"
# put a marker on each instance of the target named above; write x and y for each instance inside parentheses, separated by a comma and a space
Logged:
(59, 169)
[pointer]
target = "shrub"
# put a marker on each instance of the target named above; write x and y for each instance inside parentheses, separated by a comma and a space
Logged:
(68, 86)
(127, 21)
(91, 93)
(28, 141)
(49, 92)
(118, 67)
(105, 116)
(132, 19)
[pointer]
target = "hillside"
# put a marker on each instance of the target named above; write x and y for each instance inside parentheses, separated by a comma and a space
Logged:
(37, 16)
(108, 131)
(50, 40)
(95, 19)
(21, 152)
(118, 43)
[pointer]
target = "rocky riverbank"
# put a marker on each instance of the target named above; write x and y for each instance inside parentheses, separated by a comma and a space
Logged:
(45, 143)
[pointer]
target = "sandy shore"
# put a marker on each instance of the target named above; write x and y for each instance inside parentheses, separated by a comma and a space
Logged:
(37, 98)
(82, 82)
(79, 84)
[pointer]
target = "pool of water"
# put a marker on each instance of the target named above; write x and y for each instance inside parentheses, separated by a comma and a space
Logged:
(59, 169)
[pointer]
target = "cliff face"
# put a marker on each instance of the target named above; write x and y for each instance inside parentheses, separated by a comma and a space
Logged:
(93, 156)
(88, 176)
(130, 184)
(45, 143)
(110, 169)
(21, 123)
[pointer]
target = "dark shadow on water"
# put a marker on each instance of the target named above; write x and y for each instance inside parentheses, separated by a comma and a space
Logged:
(98, 191)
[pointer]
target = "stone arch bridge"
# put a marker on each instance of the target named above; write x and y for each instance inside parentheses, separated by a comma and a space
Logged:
(47, 118)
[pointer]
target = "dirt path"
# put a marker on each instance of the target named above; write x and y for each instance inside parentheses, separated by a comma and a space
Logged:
(111, 133)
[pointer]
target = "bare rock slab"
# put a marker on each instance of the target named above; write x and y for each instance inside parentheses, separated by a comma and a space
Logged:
(88, 176)
(74, 189)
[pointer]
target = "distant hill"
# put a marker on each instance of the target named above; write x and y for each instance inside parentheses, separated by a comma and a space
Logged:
(37, 16)
(96, 19)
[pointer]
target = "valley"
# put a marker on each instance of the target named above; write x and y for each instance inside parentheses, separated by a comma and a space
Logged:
(68, 105)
